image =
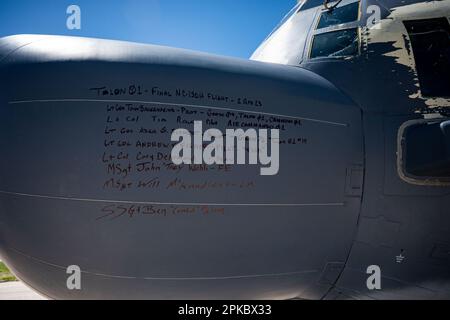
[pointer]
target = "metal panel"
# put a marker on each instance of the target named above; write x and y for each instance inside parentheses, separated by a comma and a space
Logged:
(161, 231)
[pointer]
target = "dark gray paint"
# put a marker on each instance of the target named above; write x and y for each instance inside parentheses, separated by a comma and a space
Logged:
(396, 217)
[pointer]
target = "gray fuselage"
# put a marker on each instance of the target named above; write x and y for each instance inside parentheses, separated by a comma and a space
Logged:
(87, 179)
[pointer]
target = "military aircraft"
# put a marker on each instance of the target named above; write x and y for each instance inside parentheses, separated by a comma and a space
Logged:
(359, 91)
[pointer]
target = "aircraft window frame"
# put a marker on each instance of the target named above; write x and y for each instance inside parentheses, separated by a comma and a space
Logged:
(406, 176)
(311, 44)
(333, 28)
(323, 12)
(358, 36)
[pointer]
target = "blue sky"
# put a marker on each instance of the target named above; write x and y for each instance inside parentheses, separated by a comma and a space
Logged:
(227, 27)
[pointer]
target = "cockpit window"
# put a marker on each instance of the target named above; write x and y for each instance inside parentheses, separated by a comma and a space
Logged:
(336, 44)
(430, 41)
(340, 15)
